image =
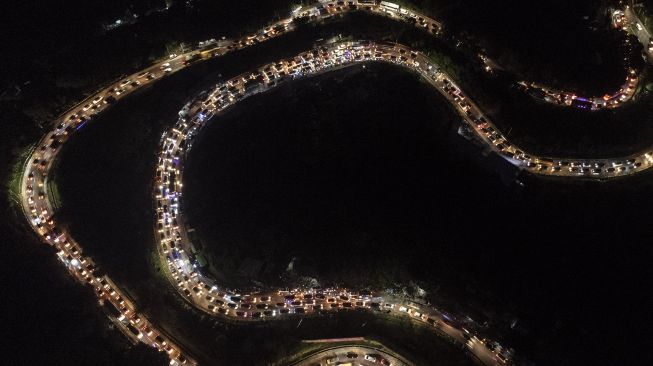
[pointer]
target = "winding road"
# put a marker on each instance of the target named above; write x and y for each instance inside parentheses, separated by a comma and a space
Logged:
(353, 355)
(174, 247)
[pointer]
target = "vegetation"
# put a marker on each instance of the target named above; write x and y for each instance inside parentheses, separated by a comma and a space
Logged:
(45, 302)
(568, 55)
(105, 177)
(644, 10)
(90, 178)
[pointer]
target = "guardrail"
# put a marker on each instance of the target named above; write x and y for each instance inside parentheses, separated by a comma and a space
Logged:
(330, 349)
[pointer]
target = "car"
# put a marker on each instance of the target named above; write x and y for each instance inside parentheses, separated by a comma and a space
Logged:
(352, 355)
(123, 309)
(135, 319)
(159, 340)
(369, 358)
(148, 331)
(135, 331)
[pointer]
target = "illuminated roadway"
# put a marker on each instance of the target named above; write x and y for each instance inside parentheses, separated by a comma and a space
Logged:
(38, 209)
(634, 25)
(353, 355)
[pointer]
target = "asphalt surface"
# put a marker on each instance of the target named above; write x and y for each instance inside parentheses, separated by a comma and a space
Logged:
(203, 292)
(631, 23)
(176, 249)
(353, 355)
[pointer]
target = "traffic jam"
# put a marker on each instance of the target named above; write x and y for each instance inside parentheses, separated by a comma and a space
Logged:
(83, 269)
(327, 8)
(39, 211)
(179, 253)
(608, 100)
(565, 98)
